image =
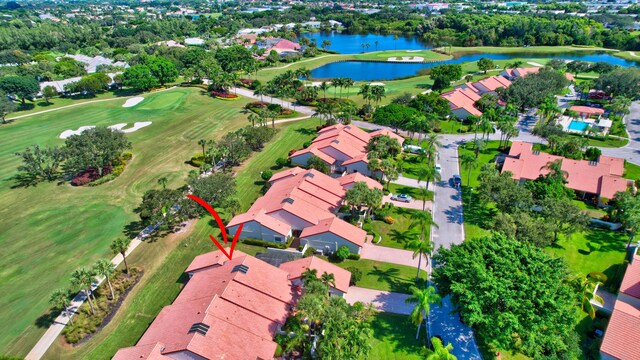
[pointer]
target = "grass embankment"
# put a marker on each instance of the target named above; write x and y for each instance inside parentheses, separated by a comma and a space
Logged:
(385, 276)
(51, 229)
(393, 338)
(628, 55)
(166, 278)
(459, 50)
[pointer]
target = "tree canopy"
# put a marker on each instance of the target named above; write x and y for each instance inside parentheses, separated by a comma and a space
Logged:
(95, 148)
(513, 294)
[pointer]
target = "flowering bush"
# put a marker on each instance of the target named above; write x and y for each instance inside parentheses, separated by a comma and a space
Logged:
(89, 175)
(223, 95)
(247, 82)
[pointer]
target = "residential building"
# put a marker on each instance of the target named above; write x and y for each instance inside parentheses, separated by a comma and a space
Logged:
(194, 41)
(296, 268)
(302, 203)
(602, 178)
(512, 74)
(462, 102)
(487, 85)
(229, 309)
(622, 337)
(281, 46)
(342, 147)
(587, 111)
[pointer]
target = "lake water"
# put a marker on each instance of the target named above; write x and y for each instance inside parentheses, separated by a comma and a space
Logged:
(352, 43)
(369, 71)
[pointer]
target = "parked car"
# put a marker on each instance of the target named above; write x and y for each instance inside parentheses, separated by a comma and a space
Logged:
(438, 168)
(456, 180)
(401, 197)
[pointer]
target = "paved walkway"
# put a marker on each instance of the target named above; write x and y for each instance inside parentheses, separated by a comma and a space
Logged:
(382, 300)
(445, 323)
(389, 255)
(631, 152)
(407, 181)
(299, 108)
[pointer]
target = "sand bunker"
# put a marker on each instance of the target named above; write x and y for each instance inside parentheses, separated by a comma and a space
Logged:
(135, 127)
(133, 101)
(535, 64)
(406, 59)
(65, 134)
(139, 125)
(377, 84)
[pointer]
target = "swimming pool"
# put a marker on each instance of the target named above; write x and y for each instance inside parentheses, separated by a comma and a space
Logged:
(578, 125)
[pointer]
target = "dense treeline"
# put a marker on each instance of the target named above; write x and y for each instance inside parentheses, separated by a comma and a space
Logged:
(464, 29)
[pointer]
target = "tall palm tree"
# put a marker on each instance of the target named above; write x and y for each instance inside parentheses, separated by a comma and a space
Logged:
(260, 90)
(423, 298)
(324, 87)
(620, 105)
(120, 246)
(365, 91)
(82, 279)
(104, 267)
(585, 289)
(304, 73)
(329, 280)
(335, 82)
(309, 275)
(203, 143)
(422, 246)
(163, 182)
(468, 162)
(548, 108)
(348, 82)
(59, 299)
(432, 143)
(428, 173)
(377, 93)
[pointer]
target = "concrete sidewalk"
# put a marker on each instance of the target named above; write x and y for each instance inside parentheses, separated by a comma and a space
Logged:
(389, 255)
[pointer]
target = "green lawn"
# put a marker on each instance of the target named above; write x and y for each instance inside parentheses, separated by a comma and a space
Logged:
(594, 250)
(394, 338)
(291, 136)
(532, 49)
(631, 171)
(396, 235)
(628, 56)
(428, 55)
(409, 190)
(51, 229)
(384, 276)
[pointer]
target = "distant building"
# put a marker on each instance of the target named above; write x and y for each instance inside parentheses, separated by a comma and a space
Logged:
(194, 41)
(170, 43)
(91, 63)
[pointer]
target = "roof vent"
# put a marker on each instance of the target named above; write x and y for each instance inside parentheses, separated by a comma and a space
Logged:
(309, 175)
(287, 200)
(336, 141)
(348, 127)
(535, 152)
(200, 328)
(241, 268)
(593, 163)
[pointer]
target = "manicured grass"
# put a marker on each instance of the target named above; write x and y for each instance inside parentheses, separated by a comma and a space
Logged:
(589, 209)
(385, 276)
(394, 338)
(628, 56)
(409, 190)
(610, 142)
(532, 49)
(631, 171)
(51, 229)
(385, 55)
(583, 257)
(396, 235)
(291, 136)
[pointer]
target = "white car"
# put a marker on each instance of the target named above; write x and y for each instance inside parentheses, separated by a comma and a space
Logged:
(438, 168)
(401, 197)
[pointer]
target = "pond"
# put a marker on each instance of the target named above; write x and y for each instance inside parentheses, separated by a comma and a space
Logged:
(352, 43)
(369, 71)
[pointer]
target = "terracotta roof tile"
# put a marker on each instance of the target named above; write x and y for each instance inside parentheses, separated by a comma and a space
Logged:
(587, 110)
(337, 227)
(348, 180)
(214, 258)
(631, 281)
(297, 267)
(622, 337)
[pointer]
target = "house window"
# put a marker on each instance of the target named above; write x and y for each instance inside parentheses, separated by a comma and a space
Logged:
(278, 239)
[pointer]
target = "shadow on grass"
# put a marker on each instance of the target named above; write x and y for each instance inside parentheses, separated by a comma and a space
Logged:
(398, 332)
(305, 131)
(477, 214)
(615, 273)
(133, 228)
(607, 241)
(401, 237)
(391, 277)
(47, 319)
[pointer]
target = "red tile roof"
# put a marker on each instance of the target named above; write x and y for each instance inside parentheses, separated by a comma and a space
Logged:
(297, 267)
(587, 110)
(494, 82)
(239, 309)
(286, 173)
(601, 178)
(463, 99)
(569, 77)
(522, 72)
(631, 281)
(337, 227)
(214, 258)
(348, 180)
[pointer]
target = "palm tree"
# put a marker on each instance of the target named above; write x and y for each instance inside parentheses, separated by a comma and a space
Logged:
(203, 143)
(120, 246)
(335, 82)
(423, 298)
(163, 182)
(428, 173)
(421, 247)
(468, 78)
(585, 289)
(325, 44)
(105, 268)
(440, 352)
(548, 108)
(260, 90)
(432, 143)
(376, 44)
(348, 82)
(468, 162)
(377, 93)
(328, 280)
(59, 299)
(324, 87)
(304, 73)
(620, 105)
(365, 91)
(83, 278)
(309, 275)
(253, 118)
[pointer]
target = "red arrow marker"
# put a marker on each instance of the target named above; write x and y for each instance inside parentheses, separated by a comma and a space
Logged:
(223, 229)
